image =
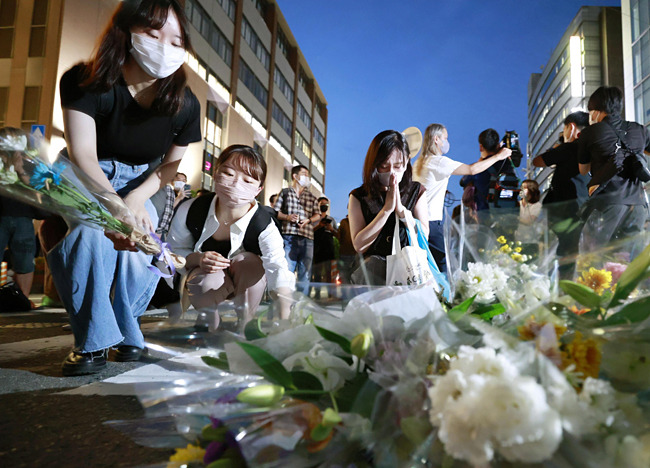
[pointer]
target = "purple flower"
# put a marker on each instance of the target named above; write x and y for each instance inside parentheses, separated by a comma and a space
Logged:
(214, 451)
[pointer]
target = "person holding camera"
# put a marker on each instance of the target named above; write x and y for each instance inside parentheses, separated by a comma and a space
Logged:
(325, 231)
(433, 170)
(612, 150)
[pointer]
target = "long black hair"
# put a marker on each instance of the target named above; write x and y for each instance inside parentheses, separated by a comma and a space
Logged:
(105, 67)
(379, 151)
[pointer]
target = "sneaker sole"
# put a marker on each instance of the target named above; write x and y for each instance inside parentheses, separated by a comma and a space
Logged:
(72, 370)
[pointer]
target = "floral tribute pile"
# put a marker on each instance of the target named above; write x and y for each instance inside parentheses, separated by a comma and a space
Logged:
(528, 371)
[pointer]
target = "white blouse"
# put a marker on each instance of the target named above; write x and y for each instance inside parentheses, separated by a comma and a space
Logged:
(270, 241)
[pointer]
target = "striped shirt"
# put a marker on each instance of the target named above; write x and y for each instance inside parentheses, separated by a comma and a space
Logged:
(305, 205)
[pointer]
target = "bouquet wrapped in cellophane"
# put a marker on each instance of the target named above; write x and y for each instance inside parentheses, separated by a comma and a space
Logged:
(63, 189)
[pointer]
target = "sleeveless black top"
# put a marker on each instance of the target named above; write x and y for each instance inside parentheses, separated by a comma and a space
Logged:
(383, 244)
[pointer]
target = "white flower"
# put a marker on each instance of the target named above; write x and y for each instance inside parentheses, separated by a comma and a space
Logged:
(8, 175)
(483, 280)
(483, 406)
(13, 143)
(330, 370)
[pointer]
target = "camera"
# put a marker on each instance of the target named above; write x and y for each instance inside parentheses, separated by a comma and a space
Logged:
(511, 141)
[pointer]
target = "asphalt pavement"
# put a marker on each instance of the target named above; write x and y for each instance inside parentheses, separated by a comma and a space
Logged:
(54, 421)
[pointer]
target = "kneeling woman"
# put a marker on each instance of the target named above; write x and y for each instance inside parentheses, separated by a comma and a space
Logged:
(387, 189)
(233, 248)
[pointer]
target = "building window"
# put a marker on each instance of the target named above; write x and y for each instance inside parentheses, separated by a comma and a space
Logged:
(283, 43)
(549, 79)
(229, 7)
(318, 164)
(255, 43)
(318, 136)
(7, 20)
(209, 30)
(37, 33)
(304, 80)
(212, 138)
(31, 106)
(303, 145)
(261, 5)
(304, 115)
(4, 99)
(282, 118)
(254, 85)
(283, 84)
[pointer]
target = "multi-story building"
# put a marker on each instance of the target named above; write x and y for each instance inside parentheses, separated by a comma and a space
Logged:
(587, 56)
(253, 82)
(636, 59)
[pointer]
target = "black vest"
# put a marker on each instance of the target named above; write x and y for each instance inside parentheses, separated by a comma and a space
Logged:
(198, 212)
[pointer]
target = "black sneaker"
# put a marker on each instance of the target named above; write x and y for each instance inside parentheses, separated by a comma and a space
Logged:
(77, 363)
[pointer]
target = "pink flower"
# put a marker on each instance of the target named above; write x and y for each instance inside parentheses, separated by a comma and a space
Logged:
(616, 269)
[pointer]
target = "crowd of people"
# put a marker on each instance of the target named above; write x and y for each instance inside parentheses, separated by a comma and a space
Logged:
(134, 88)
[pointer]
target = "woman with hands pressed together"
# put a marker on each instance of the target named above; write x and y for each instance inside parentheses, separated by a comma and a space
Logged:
(127, 108)
(387, 189)
(232, 246)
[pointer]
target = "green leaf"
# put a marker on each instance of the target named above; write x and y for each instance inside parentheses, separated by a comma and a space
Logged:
(631, 313)
(220, 362)
(358, 396)
(305, 381)
(581, 293)
(342, 341)
(320, 433)
(486, 312)
(459, 311)
(272, 369)
(635, 272)
(253, 329)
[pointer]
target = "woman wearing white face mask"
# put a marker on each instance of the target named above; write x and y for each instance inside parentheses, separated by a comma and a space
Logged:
(233, 247)
(125, 109)
(433, 170)
(387, 189)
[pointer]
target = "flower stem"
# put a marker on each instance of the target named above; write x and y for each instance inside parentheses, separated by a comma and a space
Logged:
(334, 405)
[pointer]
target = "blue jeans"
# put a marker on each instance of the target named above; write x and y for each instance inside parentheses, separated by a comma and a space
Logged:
(299, 252)
(437, 244)
(17, 233)
(104, 290)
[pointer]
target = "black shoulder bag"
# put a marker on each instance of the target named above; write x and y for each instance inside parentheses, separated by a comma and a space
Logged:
(635, 164)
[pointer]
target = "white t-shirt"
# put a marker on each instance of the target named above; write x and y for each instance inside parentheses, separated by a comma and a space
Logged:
(435, 177)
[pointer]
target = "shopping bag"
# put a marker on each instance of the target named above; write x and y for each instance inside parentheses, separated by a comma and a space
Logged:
(407, 265)
(423, 242)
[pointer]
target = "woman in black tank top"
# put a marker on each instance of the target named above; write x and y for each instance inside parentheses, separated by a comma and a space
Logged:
(387, 189)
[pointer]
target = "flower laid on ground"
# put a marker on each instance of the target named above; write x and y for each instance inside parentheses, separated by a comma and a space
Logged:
(598, 280)
(517, 423)
(482, 280)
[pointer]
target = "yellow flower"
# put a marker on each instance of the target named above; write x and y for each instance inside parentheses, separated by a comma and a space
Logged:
(517, 257)
(505, 248)
(189, 454)
(517, 249)
(501, 240)
(598, 280)
(584, 354)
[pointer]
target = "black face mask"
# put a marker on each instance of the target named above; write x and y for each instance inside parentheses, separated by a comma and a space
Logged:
(324, 208)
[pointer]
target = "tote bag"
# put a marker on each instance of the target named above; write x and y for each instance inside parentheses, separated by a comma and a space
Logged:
(409, 265)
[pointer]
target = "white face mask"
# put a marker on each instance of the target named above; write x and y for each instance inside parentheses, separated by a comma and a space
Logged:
(592, 117)
(235, 192)
(179, 184)
(156, 59)
(384, 177)
(444, 149)
(303, 181)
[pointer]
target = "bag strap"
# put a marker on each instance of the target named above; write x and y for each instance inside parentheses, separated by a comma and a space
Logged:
(396, 243)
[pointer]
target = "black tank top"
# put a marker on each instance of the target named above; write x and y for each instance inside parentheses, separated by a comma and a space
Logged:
(219, 246)
(383, 244)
